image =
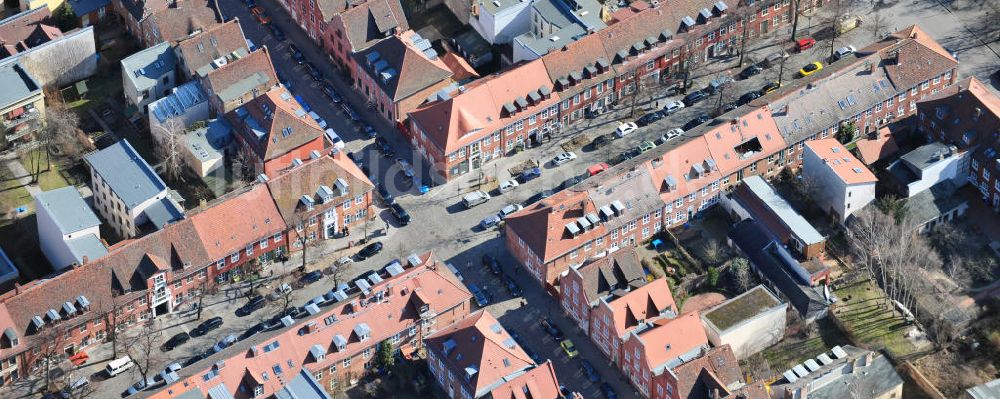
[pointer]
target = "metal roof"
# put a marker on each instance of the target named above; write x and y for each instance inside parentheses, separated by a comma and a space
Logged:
(17, 83)
(128, 175)
(67, 209)
(784, 211)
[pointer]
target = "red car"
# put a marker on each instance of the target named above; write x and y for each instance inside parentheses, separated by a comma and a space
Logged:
(598, 168)
(804, 44)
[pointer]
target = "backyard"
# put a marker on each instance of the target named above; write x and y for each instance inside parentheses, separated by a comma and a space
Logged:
(797, 347)
(864, 314)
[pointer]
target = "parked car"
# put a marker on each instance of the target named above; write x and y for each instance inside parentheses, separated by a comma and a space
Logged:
(454, 270)
(748, 97)
(804, 44)
(507, 185)
(296, 54)
(552, 330)
(406, 167)
(481, 299)
(563, 158)
(695, 97)
(401, 216)
(625, 128)
(572, 181)
(569, 348)
(278, 34)
(206, 326)
(672, 133)
(696, 122)
(847, 23)
(331, 93)
(716, 84)
(371, 132)
(370, 250)
(773, 59)
(628, 154)
(771, 86)
(673, 107)
(529, 174)
(811, 68)
(843, 52)
(349, 110)
(139, 386)
(224, 343)
(193, 359)
(254, 304)
(489, 221)
(313, 71)
(646, 146)
(261, 15)
(538, 197)
(335, 139)
(175, 341)
(601, 141)
(492, 263)
(312, 277)
(253, 330)
(649, 118)
(597, 168)
(475, 198)
(751, 70)
(512, 287)
(589, 370)
(318, 119)
(387, 198)
(609, 391)
(508, 210)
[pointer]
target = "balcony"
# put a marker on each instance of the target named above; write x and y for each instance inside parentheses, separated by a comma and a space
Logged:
(27, 116)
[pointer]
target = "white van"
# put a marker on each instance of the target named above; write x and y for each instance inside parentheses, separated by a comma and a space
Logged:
(475, 198)
(117, 366)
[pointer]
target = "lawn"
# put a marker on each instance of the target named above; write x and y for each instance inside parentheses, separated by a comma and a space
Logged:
(790, 351)
(51, 177)
(12, 194)
(99, 87)
(865, 315)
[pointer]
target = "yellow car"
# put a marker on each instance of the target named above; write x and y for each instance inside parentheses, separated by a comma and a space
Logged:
(569, 348)
(811, 68)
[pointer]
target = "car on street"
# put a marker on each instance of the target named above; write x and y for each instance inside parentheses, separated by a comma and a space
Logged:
(489, 221)
(481, 299)
(278, 34)
(695, 97)
(563, 158)
(649, 118)
(253, 330)
(589, 370)
(601, 141)
(139, 386)
(843, 52)
(193, 359)
(175, 341)
(572, 181)
(312, 277)
(746, 98)
(385, 148)
(371, 133)
(569, 348)
(811, 68)
(507, 185)
(254, 304)
(529, 174)
(628, 154)
(224, 343)
(492, 263)
(319, 120)
(698, 121)
(170, 369)
(314, 72)
(261, 15)
(349, 110)
(774, 59)
(206, 326)
(331, 93)
(475, 198)
(751, 70)
(717, 84)
(296, 54)
(646, 146)
(804, 44)
(552, 330)
(387, 198)
(538, 197)
(625, 128)
(335, 139)
(770, 87)
(672, 133)
(512, 287)
(508, 210)
(608, 391)
(370, 250)
(597, 168)
(673, 107)
(402, 217)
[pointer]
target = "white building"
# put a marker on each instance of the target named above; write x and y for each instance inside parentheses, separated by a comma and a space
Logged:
(844, 185)
(68, 231)
(500, 21)
(928, 165)
(205, 148)
(554, 24)
(748, 323)
(127, 192)
(185, 105)
(148, 75)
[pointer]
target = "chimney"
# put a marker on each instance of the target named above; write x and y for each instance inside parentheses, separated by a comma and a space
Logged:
(913, 35)
(85, 260)
(872, 67)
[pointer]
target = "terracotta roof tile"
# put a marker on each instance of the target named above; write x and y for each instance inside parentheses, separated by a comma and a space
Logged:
(371, 21)
(414, 71)
(282, 121)
(171, 24)
(25, 30)
(219, 41)
(618, 271)
(717, 368)
(671, 338)
(645, 303)
(538, 383)
(841, 162)
(227, 227)
(872, 150)
(288, 187)
(238, 77)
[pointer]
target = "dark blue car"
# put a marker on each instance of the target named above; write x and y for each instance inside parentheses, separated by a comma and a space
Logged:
(530, 174)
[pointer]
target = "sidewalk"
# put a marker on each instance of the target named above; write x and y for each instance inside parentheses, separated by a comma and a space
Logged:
(23, 176)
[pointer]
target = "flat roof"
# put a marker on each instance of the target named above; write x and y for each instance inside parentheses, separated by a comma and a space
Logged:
(745, 306)
(68, 209)
(798, 224)
(17, 83)
(128, 175)
(87, 246)
(209, 142)
(145, 67)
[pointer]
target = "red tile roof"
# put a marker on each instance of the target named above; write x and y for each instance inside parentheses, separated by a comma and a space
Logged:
(174, 23)
(288, 187)
(716, 369)
(538, 383)
(668, 339)
(227, 227)
(256, 67)
(25, 30)
(216, 42)
(284, 122)
(371, 21)
(641, 304)
(872, 150)
(848, 168)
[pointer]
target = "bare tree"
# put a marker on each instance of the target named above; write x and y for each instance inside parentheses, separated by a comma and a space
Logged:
(110, 313)
(49, 354)
(201, 293)
(340, 273)
(142, 346)
(740, 270)
(743, 15)
(876, 22)
(691, 62)
(169, 141)
(757, 368)
(80, 392)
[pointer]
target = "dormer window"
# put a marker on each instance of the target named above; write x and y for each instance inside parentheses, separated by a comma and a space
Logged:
(258, 390)
(362, 331)
(308, 202)
(339, 342)
(8, 339)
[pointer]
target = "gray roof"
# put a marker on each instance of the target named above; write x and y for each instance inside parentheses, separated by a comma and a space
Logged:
(7, 267)
(929, 204)
(128, 175)
(178, 102)
(145, 67)
(879, 377)
(494, 6)
(84, 7)
(88, 246)
(193, 393)
(783, 210)
(570, 24)
(68, 209)
(989, 390)
(242, 86)
(926, 155)
(210, 142)
(163, 212)
(303, 386)
(17, 83)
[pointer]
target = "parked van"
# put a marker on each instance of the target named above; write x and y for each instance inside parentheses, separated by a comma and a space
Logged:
(455, 271)
(848, 23)
(117, 366)
(475, 198)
